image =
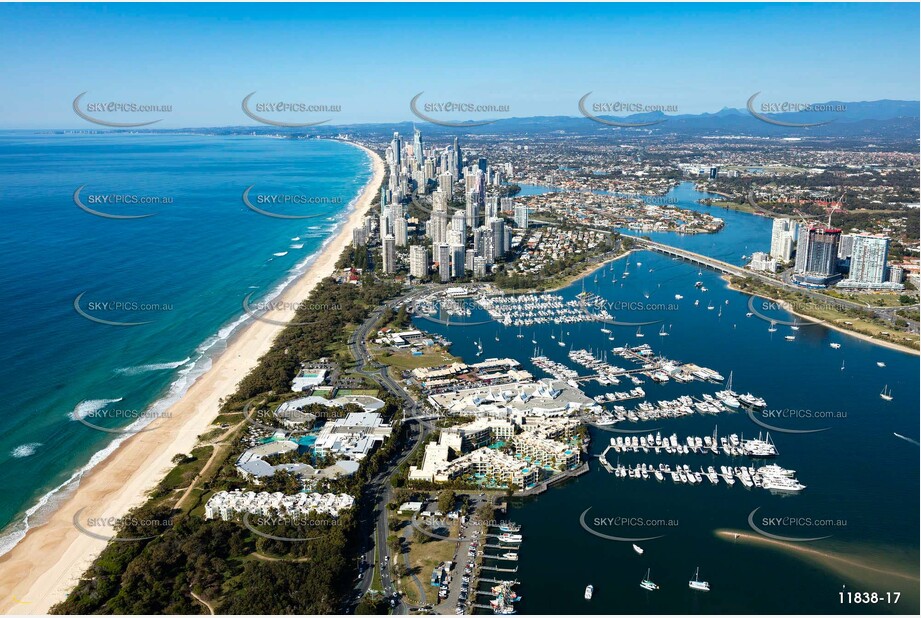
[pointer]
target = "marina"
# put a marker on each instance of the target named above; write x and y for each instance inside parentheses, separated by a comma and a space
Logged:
(773, 478)
(731, 445)
(765, 372)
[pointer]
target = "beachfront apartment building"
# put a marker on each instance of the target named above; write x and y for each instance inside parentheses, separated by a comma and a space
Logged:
(419, 262)
(228, 505)
(389, 255)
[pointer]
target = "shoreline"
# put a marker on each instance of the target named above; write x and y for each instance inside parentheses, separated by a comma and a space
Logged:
(51, 558)
(885, 344)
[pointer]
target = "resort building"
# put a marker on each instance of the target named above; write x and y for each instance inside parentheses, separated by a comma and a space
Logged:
(228, 505)
(353, 437)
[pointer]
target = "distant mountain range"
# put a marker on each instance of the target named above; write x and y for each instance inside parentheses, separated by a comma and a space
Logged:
(884, 118)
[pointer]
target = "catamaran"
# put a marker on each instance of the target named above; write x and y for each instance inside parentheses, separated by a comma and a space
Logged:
(647, 583)
(696, 584)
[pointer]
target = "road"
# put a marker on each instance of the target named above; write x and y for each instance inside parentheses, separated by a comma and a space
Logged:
(379, 489)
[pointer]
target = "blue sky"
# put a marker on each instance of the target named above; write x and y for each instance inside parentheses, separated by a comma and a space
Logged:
(538, 59)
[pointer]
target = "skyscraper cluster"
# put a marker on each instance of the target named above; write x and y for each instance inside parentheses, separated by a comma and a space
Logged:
(460, 240)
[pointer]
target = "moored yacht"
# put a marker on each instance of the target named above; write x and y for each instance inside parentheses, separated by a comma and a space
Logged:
(648, 584)
(696, 584)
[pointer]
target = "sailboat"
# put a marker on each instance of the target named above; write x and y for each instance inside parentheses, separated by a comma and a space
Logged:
(519, 335)
(795, 325)
(497, 336)
(639, 332)
(662, 332)
(710, 306)
(772, 329)
(533, 340)
(479, 345)
(561, 343)
(886, 394)
(696, 584)
(842, 365)
(647, 584)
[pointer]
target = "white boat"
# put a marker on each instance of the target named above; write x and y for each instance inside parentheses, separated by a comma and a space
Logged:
(886, 394)
(880, 364)
(647, 584)
(678, 296)
(696, 303)
(790, 338)
(639, 332)
(606, 331)
(835, 345)
(662, 332)
(637, 549)
(589, 591)
(696, 584)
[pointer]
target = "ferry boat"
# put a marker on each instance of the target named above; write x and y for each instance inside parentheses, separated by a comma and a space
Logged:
(507, 537)
(696, 584)
(589, 591)
(647, 584)
(886, 394)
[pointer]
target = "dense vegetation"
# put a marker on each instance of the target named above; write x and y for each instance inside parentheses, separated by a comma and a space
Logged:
(187, 564)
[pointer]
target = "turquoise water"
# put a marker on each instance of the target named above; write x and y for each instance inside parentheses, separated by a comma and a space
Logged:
(190, 266)
(857, 473)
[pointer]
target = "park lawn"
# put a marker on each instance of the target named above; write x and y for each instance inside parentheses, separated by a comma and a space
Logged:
(403, 360)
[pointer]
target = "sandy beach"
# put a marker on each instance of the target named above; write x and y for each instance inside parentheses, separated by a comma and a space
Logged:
(50, 559)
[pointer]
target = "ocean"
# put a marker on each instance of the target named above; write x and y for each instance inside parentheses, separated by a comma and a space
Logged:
(73, 278)
(862, 479)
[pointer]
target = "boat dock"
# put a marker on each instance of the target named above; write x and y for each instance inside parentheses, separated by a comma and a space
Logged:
(771, 477)
(732, 445)
(603, 458)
